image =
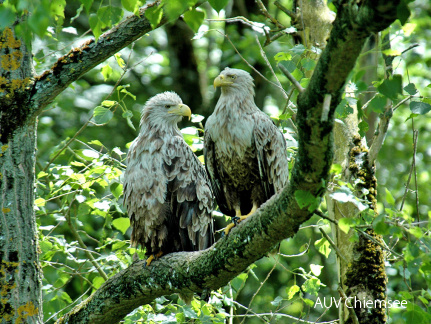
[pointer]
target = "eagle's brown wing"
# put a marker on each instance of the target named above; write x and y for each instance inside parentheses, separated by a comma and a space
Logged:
(191, 199)
(271, 154)
(214, 176)
(168, 197)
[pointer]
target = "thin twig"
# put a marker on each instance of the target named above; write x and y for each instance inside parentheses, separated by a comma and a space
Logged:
(288, 12)
(322, 215)
(267, 15)
(262, 53)
(415, 138)
(261, 284)
(291, 78)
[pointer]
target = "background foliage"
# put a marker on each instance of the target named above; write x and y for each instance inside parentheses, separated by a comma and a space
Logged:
(83, 139)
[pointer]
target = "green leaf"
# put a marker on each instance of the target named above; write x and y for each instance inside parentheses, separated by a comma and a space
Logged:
(419, 108)
(122, 224)
(175, 8)
(316, 269)
(108, 103)
(344, 195)
(403, 12)
(106, 72)
(40, 202)
(218, 4)
(194, 19)
(308, 302)
(323, 246)
(291, 291)
(392, 87)
(411, 89)
(277, 301)
(87, 4)
(97, 282)
(391, 52)
(408, 28)
(345, 223)
(282, 56)
(39, 20)
(102, 115)
(389, 198)
(116, 189)
(42, 174)
(305, 198)
(120, 60)
(336, 168)
(95, 25)
(363, 128)
(154, 15)
(130, 5)
(377, 104)
(109, 15)
(312, 286)
(7, 17)
(57, 7)
(416, 232)
(380, 227)
(308, 63)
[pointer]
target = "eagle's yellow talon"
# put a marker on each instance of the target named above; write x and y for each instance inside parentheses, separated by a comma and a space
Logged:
(153, 257)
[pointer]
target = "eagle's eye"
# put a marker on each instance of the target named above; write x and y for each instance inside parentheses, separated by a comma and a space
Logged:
(233, 77)
(167, 106)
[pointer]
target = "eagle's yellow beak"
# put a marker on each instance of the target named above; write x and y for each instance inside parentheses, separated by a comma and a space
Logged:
(221, 80)
(181, 110)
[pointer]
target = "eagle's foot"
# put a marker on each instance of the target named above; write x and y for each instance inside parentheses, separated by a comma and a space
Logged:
(228, 228)
(153, 257)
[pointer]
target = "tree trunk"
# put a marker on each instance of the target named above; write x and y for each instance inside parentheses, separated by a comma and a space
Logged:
(20, 275)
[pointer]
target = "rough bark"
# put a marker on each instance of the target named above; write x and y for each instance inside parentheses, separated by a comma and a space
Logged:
(20, 281)
(277, 219)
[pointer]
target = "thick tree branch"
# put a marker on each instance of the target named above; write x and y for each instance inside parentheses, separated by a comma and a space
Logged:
(277, 219)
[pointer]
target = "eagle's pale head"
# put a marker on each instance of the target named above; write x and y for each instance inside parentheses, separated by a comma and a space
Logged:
(235, 81)
(164, 110)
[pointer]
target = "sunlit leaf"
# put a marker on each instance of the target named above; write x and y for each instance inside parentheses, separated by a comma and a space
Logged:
(154, 15)
(40, 202)
(116, 189)
(291, 291)
(323, 246)
(345, 224)
(311, 286)
(316, 269)
(122, 224)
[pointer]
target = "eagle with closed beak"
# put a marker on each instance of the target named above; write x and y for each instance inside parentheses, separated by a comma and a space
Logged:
(245, 153)
(166, 189)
